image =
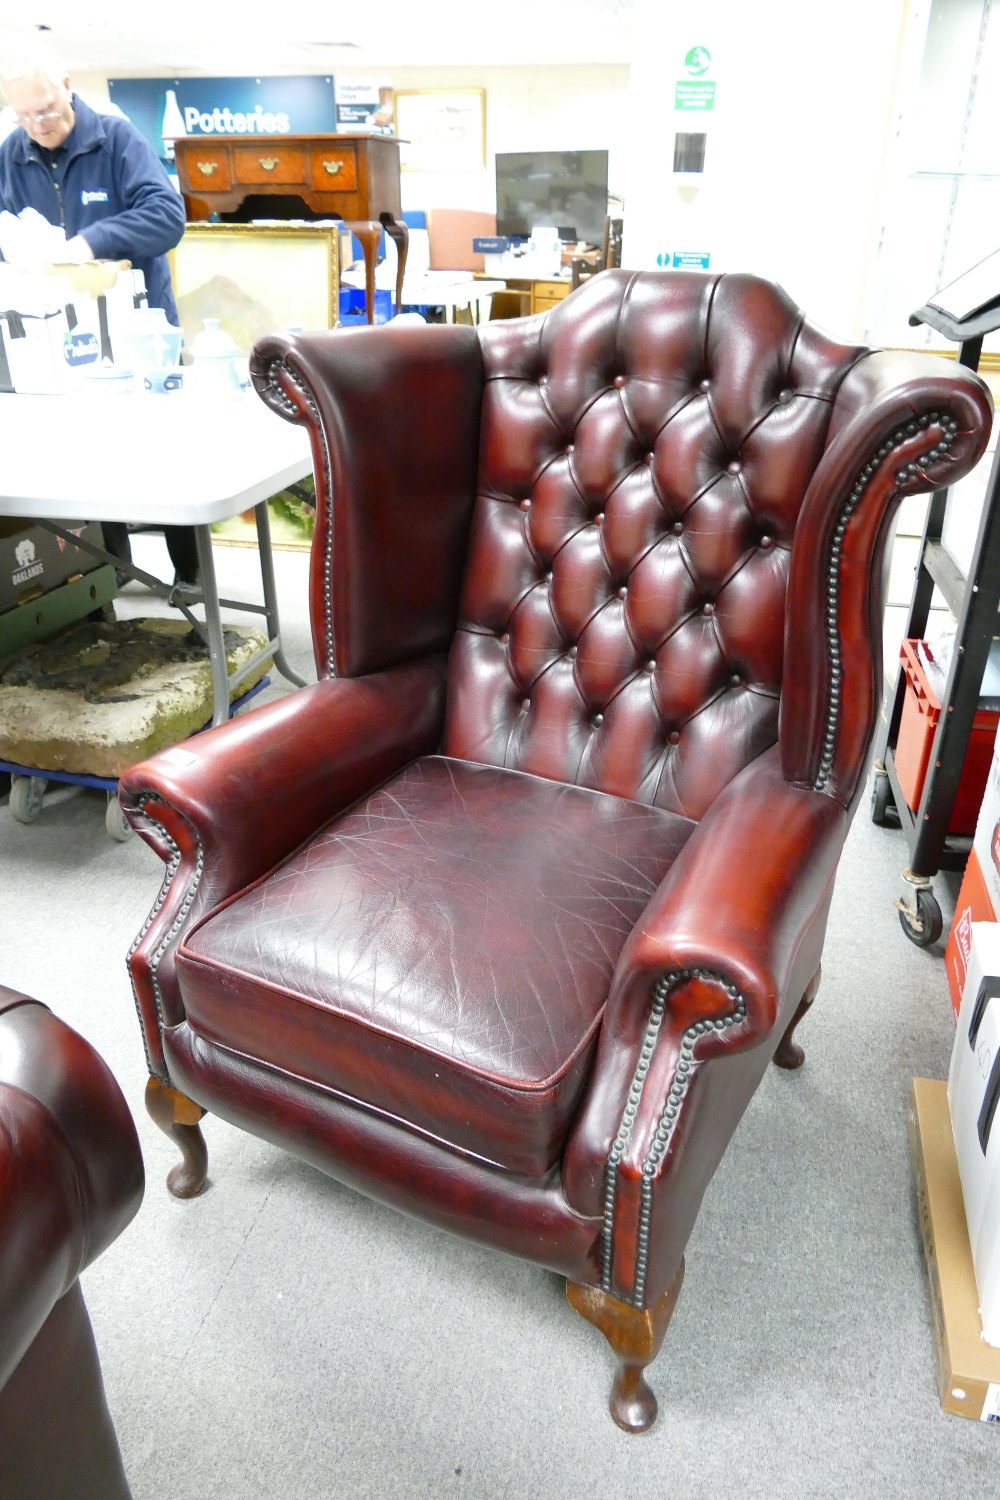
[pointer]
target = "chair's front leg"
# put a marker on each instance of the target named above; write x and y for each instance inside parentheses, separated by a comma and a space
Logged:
(177, 1116)
(635, 1334)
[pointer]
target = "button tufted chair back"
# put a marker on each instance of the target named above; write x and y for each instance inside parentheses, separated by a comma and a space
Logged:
(644, 457)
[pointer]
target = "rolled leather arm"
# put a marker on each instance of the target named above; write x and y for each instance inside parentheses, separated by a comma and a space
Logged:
(71, 1175)
(222, 808)
(251, 790)
(703, 987)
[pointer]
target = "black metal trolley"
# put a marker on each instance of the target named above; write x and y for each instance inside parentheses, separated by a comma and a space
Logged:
(973, 601)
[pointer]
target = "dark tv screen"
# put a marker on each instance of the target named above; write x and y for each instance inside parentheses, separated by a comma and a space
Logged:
(566, 188)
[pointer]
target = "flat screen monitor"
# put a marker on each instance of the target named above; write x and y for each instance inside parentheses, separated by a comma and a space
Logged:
(566, 188)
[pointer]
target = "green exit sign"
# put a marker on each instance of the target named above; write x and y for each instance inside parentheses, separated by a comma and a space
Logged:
(694, 93)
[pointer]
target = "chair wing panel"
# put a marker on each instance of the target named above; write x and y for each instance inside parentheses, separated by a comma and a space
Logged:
(903, 424)
(393, 416)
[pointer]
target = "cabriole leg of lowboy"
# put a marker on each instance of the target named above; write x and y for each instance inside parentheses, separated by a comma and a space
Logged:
(177, 1116)
(635, 1335)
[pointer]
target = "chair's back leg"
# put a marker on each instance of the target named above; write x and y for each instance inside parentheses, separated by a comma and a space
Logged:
(788, 1053)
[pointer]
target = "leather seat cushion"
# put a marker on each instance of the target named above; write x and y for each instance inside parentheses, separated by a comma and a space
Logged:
(441, 953)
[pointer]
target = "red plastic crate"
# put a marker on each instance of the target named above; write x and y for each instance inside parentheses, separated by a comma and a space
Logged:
(925, 680)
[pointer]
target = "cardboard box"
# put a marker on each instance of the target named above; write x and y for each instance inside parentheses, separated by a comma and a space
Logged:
(968, 1369)
(34, 560)
(973, 905)
(973, 1090)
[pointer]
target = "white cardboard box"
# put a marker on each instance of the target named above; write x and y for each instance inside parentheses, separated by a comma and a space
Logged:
(973, 1091)
(987, 839)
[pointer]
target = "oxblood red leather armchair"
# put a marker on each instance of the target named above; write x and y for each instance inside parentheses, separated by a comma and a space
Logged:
(71, 1179)
(503, 919)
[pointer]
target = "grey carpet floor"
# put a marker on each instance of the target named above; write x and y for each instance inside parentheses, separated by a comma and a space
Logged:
(282, 1336)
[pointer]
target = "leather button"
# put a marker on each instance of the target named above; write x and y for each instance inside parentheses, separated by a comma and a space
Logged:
(784, 397)
(650, 457)
(618, 382)
(548, 578)
(708, 609)
(597, 720)
(568, 449)
(677, 528)
(599, 518)
(525, 504)
(766, 542)
(704, 386)
(735, 467)
(735, 680)
(674, 737)
(649, 666)
(571, 653)
(525, 705)
(622, 594)
(504, 639)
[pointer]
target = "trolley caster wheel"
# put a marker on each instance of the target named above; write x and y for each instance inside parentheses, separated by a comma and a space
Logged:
(883, 807)
(925, 926)
(27, 794)
(118, 828)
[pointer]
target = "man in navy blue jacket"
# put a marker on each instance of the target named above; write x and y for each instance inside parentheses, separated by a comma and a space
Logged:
(96, 178)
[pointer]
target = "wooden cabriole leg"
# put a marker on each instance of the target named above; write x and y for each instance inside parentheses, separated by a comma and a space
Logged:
(635, 1335)
(789, 1054)
(178, 1116)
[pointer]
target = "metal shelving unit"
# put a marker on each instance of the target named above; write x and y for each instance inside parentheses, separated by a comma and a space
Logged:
(974, 601)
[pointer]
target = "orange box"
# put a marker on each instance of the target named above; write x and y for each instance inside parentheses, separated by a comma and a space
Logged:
(973, 905)
(925, 681)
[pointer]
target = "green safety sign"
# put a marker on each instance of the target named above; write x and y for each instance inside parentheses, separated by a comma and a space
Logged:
(691, 94)
(698, 61)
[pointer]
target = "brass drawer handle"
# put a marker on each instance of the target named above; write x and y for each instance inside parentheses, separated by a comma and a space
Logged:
(333, 167)
(208, 167)
(268, 162)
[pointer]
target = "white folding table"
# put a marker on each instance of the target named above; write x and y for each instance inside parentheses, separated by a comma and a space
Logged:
(450, 291)
(175, 459)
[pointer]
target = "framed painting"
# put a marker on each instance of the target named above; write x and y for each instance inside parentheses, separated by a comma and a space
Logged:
(257, 278)
(441, 130)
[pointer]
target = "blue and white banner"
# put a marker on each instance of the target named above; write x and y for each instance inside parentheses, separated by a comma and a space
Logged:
(164, 109)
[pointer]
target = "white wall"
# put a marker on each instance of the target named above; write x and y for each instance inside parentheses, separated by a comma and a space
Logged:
(797, 143)
(573, 108)
(940, 210)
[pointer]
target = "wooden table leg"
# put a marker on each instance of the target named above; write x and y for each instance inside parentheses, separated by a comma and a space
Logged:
(369, 233)
(400, 236)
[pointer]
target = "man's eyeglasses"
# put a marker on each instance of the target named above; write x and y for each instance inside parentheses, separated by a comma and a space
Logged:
(38, 116)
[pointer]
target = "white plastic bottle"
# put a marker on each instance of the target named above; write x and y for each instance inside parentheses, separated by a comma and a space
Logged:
(173, 124)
